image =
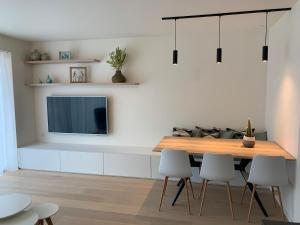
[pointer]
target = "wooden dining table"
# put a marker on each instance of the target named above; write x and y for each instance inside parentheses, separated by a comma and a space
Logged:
(199, 146)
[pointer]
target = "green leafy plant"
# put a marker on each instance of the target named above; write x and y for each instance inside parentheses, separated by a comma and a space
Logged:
(117, 58)
(249, 131)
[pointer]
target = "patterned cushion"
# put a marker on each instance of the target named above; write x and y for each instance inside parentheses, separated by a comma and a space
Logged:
(197, 132)
(181, 132)
(226, 134)
(212, 133)
(236, 134)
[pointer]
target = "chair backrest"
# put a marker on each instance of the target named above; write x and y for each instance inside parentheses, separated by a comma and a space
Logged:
(269, 171)
(175, 163)
(217, 167)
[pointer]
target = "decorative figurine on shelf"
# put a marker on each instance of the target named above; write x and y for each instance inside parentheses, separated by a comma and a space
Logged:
(65, 55)
(116, 60)
(45, 56)
(35, 55)
(249, 139)
(49, 79)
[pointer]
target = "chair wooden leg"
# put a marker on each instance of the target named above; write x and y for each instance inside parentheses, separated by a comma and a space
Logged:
(244, 192)
(163, 192)
(251, 201)
(49, 221)
(191, 187)
(201, 189)
(187, 194)
(281, 205)
(203, 195)
(230, 199)
(273, 194)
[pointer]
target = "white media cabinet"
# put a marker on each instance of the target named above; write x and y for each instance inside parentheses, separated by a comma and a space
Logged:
(127, 161)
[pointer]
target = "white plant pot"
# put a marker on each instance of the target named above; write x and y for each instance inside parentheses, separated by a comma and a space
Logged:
(248, 142)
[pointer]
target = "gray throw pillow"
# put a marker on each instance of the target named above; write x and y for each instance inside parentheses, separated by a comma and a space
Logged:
(197, 132)
(226, 134)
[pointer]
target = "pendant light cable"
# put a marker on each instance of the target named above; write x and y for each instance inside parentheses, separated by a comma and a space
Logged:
(219, 49)
(266, 34)
(175, 52)
(219, 31)
(175, 34)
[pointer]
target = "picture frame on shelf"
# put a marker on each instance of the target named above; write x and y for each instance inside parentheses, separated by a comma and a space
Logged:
(65, 55)
(78, 74)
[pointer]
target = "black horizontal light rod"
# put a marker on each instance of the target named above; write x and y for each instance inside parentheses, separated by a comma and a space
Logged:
(226, 14)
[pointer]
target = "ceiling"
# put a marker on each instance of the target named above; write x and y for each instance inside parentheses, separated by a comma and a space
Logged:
(47, 20)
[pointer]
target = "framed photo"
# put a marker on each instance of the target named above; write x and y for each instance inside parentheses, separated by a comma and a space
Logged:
(78, 74)
(64, 55)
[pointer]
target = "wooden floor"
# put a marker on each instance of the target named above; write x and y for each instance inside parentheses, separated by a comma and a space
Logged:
(102, 200)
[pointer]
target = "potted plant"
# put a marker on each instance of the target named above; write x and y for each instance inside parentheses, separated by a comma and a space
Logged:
(249, 139)
(116, 60)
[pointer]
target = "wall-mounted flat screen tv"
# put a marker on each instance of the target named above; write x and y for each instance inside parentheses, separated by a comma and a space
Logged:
(76, 114)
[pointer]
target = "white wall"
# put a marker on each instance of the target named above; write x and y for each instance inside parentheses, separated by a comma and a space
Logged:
(196, 92)
(23, 96)
(283, 97)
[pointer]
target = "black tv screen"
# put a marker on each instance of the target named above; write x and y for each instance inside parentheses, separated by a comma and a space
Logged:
(82, 115)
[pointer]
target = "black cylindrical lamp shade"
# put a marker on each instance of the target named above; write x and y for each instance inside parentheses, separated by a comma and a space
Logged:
(265, 53)
(219, 55)
(175, 57)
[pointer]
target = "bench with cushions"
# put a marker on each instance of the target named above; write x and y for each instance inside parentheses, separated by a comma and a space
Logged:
(227, 133)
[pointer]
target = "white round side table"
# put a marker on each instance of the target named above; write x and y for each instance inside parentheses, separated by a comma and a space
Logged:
(22, 218)
(12, 204)
(45, 211)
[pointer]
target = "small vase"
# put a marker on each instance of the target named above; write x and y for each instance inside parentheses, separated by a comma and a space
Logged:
(118, 77)
(35, 55)
(45, 56)
(49, 80)
(248, 142)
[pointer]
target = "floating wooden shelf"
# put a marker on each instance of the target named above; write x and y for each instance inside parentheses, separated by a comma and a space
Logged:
(82, 84)
(63, 61)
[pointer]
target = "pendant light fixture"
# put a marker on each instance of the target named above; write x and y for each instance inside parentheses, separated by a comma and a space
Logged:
(265, 49)
(175, 52)
(219, 49)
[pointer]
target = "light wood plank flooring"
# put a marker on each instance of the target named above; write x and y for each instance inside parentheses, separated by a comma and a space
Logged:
(103, 200)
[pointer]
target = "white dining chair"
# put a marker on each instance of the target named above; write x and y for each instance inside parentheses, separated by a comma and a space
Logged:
(175, 164)
(268, 171)
(217, 167)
